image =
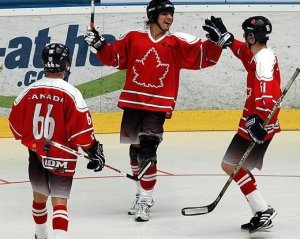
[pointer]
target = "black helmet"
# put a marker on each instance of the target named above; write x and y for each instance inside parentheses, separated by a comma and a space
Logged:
(56, 58)
(155, 7)
(259, 26)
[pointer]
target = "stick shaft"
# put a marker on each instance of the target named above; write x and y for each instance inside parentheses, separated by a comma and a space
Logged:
(92, 22)
(77, 153)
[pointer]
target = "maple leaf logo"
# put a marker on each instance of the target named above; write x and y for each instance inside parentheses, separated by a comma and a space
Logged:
(150, 71)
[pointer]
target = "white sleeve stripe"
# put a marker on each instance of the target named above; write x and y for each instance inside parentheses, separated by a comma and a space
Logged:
(82, 132)
(15, 130)
(201, 58)
(118, 60)
(263, 109)
(83, 145)
(21, 95)
(244, 130)
(264, 96)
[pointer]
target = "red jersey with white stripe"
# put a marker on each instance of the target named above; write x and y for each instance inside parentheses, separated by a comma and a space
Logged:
(153, 66)
(54, 109)
(263, 86)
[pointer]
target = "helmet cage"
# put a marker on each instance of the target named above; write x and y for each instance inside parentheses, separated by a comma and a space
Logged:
(56, 58)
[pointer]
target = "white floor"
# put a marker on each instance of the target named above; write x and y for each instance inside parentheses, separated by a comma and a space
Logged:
(190, 175)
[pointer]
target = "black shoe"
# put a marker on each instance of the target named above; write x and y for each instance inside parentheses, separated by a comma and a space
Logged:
(247, 226)
(262, 219)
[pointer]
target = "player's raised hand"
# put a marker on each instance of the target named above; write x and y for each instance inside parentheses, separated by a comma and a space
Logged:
(212, 32)
(217, 32)
(94, 39)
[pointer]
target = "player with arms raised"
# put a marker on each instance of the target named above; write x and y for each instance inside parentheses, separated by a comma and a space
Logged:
(52, 108)
(153, 58)
(263, 90)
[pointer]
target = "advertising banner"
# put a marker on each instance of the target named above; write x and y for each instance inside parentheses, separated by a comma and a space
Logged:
(220, 87)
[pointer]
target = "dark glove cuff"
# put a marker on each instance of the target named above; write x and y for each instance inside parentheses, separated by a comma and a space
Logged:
(91, 151)
(100, 44)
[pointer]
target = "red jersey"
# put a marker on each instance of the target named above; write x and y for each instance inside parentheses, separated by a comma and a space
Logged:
(153, 66)
(54, 109)
(263, 86)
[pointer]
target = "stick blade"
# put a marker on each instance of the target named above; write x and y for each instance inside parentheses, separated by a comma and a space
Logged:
(194, 211)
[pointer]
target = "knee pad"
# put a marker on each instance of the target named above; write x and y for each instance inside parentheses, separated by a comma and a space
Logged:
(148, 147)
(133, 154)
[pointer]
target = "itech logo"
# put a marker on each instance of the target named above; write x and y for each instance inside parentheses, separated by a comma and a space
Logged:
(18, 53)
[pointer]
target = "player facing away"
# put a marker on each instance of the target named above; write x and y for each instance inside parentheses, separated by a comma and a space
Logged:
(153, 58)
(54, 109)
(263, 90)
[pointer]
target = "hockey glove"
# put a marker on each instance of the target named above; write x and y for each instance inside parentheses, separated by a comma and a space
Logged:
(217, 32)
(94, 39)
(255, 129)
(97, 157)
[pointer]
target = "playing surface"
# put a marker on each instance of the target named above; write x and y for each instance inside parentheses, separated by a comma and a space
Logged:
(189, 175)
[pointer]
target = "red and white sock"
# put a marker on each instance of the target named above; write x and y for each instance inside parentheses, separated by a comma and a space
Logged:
(60, 221)
(135, 171)
(148, 181)
(134, 167)
(247, 184)
(39, 213)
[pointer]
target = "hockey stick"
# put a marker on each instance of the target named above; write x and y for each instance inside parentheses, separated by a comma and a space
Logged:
(92, 22)
(77, 153)
(192, 211)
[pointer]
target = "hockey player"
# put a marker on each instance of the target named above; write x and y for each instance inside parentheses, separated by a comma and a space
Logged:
(54, 109)
(153, 58)
(263, 90)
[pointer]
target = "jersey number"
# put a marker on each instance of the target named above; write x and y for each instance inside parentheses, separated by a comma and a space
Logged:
(43, 126)
(263, 87)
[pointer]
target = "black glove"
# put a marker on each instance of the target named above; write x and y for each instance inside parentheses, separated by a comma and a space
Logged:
(217, 32)
(255, 129)
(97, 157)
(94, 39)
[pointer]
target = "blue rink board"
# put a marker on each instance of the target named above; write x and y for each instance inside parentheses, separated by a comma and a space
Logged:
(75, 3)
